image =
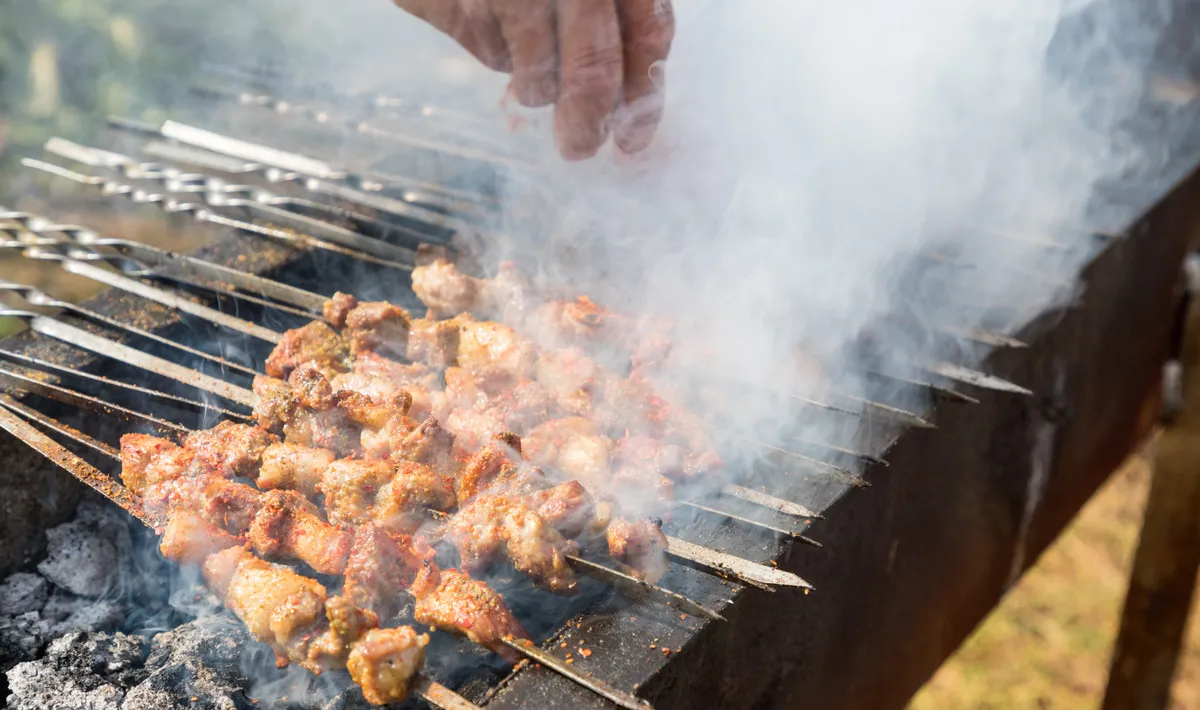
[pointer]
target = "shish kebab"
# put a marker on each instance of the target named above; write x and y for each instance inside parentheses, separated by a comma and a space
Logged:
(684, 552)
(81, 267)
(292, 613)
(280, 607)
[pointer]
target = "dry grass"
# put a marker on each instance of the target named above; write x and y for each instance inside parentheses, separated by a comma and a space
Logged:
(1048, 643)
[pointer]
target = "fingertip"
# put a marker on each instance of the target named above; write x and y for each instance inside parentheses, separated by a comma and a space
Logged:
(534, 91)
(637, 122)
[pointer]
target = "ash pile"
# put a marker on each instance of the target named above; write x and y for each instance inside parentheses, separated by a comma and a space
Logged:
(101, 621)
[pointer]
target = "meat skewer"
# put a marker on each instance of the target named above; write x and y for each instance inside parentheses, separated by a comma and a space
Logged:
(438, 695)
(750, 573)
(434, 590)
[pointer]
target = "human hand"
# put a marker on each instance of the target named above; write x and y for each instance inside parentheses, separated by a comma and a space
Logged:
(597, 61)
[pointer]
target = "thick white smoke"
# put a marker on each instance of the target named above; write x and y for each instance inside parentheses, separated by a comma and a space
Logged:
(811, 153)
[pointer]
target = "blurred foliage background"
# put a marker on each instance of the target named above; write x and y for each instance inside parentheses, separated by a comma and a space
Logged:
(66, 64)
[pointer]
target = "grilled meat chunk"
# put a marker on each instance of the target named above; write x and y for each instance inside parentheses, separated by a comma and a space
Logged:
(571, 445)
(315, 343)
(372, 412)
(380, 378)
(149, 461)
(445, 290)
(450, 600)
(378, 327)
(385, 661)
(380, 565)
(641, 546)
(229, 449)
(483, 344)
(395, 496)
(495, 526)
(278, 606)
(571, 510)
(293, 467)
(190, 539)
(336, 308)
(286, 524)
(434, 342)
(276, 403)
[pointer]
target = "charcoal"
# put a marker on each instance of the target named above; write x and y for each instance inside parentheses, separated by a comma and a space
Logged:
(80, 670)
(20, 638)
(196, 665)
(23, 592)
(80, 559)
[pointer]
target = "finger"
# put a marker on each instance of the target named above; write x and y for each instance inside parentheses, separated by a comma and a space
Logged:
(469, 23)
(647, 30)
(528, 27)
(590, 70)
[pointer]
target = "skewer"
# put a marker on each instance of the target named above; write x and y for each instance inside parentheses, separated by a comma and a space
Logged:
(840, 451)
(204, 213)
(222, 193)
(154, 256)
(816, 463)
(106, 382)
(57, 329)
(78, 337)
(539, 655)
(40, 298)
(327, 176)
(78, 399)
(743, 570)
(208, 160)
(431, 691)
(936, 389)
(769, 501)
(166, 298)
(83, 471)
(640, 588)
(625, 582)
(748, 521)
(976, 378)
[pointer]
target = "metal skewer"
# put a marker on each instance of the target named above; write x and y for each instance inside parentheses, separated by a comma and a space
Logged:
(155, 257)
(976, 378)
(40, 298)
(432, 692)
(166, 298)
(205, 213)
(742, 519)
(123, 353)
(107, 382)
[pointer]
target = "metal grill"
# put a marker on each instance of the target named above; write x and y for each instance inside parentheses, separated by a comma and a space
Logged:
(176, 349)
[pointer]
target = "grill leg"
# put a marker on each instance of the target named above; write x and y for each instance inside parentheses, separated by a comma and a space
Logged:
(1163, 580)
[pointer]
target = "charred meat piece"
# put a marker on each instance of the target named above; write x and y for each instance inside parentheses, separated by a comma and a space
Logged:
(372, 412)
(447, 291)
(276, 403)
(378, 377)
(378, 327)
(396, 496)
(380, 565)
(484, 344)
(286, 524)
(575, 380)
(570, 509)
(572, 446)
(190, 539)
(434, 342)
(336, 308)
(278, 606)
(429, 443)
(315, 343)
(311, 388)
(491, 527)
(293, 467)
(385, 661)
(451, 601)
(148, 461)
(229, 449)
(641, 546)
(497, 464)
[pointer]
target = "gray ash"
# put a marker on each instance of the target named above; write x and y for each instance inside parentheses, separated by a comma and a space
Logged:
(102, 622)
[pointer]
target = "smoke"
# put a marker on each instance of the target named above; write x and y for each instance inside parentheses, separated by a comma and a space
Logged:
(812, 158)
